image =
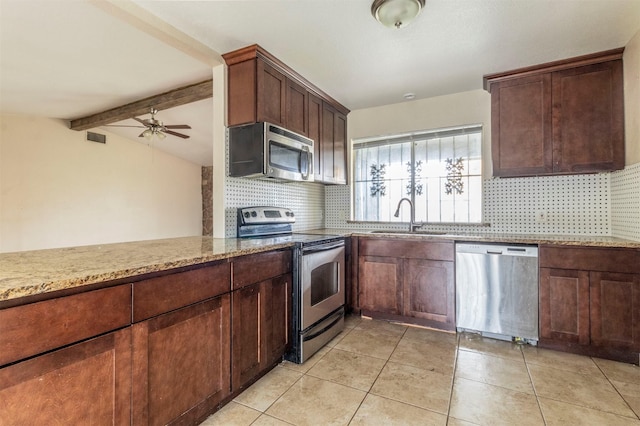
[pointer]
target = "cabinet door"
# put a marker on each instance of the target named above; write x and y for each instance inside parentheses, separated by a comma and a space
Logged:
(615, 310)
(564, 305)
(271, 94)
(297, 116)
(181, 363)
(247, 325)
(241, 93)
(588, 113)
(277, 317)
(380, 282)
(340, 149)
(521, 136)
(315, 126)
(88, 383)
(326, 146)
(429, 291)
(333, 145)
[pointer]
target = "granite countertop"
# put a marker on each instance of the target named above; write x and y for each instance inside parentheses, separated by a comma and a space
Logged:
(32, 273)
(36, 272)
(567, 240)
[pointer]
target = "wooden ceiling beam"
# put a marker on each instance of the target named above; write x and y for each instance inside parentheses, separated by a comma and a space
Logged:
(184, 95)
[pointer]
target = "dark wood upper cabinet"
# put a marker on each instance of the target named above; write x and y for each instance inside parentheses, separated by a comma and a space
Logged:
(262, 88)
(562, 117)
(296, 111)
(315, 131)
(271, 95)
(588, 118)
(521, 127)
(333, 147)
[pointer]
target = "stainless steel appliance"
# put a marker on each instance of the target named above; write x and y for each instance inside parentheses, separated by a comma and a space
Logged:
(497, 290)
(318, 294)
(269, 151)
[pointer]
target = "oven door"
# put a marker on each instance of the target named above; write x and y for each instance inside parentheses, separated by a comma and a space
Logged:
(322, 281)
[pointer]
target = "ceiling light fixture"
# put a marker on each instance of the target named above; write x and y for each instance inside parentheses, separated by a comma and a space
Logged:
(150, 132)
(396, 13)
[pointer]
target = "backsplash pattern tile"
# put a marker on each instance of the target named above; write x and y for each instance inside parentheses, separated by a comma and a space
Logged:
(625, 203)
(571, 205)
(305, 199)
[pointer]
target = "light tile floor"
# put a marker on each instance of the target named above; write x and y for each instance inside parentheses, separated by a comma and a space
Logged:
(379, 373)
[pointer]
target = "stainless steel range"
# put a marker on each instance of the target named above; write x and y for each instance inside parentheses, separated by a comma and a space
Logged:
(318, 277)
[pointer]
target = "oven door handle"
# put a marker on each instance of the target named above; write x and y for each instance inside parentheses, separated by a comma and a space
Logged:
(322, 247)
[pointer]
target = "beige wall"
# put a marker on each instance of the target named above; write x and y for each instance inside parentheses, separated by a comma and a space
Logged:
(631, 61)
(459, 109)
(474, 107)
(59, 190)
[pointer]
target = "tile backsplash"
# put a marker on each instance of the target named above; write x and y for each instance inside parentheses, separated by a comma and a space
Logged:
(305, 199)
(594, 204)
(625, 203)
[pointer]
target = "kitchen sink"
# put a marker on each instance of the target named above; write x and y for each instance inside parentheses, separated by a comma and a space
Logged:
(410, 233)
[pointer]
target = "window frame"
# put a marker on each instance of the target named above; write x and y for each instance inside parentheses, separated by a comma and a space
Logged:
(422, 135)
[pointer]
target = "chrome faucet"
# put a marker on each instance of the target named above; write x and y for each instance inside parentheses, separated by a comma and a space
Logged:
(412, 223)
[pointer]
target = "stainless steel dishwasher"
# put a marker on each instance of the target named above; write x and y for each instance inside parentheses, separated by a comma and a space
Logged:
(497, 290)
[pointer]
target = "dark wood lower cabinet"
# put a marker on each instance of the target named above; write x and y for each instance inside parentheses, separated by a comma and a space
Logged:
(615, 310)
(247, 340)
(88, 383)
(261, 328)
(564, 305)
(278, 318)
(181, 365)
(381, 284)
(428, 293)
(590, 301)
(407, 280)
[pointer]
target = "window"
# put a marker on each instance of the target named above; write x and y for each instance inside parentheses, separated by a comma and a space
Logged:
(440, 171)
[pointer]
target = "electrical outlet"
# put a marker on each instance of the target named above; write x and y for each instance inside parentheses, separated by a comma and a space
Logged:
(541, 216)
(342, 215)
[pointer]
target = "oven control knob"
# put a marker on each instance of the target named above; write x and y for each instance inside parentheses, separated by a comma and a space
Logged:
(246, 214)
(254, 214)
(291, 214)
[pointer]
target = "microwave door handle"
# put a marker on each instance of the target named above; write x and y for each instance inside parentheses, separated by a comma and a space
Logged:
(305, 170)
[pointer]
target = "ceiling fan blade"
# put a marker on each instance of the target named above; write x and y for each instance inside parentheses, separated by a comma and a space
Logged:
(144, 122)
(177, 126)
(141, 135)
(180, 135)
(122, 125)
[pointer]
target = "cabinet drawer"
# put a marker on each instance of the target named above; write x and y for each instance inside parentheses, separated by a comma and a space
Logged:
(155, 296)
(259, 267)
(407, 249)
(590, 259)
(38, 327)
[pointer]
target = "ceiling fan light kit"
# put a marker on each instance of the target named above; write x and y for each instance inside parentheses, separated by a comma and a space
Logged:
(396, 13)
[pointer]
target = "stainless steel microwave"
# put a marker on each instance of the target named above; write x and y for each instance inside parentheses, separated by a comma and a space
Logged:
(270, 151)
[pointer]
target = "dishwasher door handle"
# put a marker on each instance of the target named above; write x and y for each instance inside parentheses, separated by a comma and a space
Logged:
(493, 252)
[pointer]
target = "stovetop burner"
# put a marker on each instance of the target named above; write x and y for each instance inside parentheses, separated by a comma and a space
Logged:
(275, 222)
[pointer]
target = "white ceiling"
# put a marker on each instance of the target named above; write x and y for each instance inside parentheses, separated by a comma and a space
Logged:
(68, 58)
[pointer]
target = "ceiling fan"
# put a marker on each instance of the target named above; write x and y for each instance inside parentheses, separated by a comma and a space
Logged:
(157, 127)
